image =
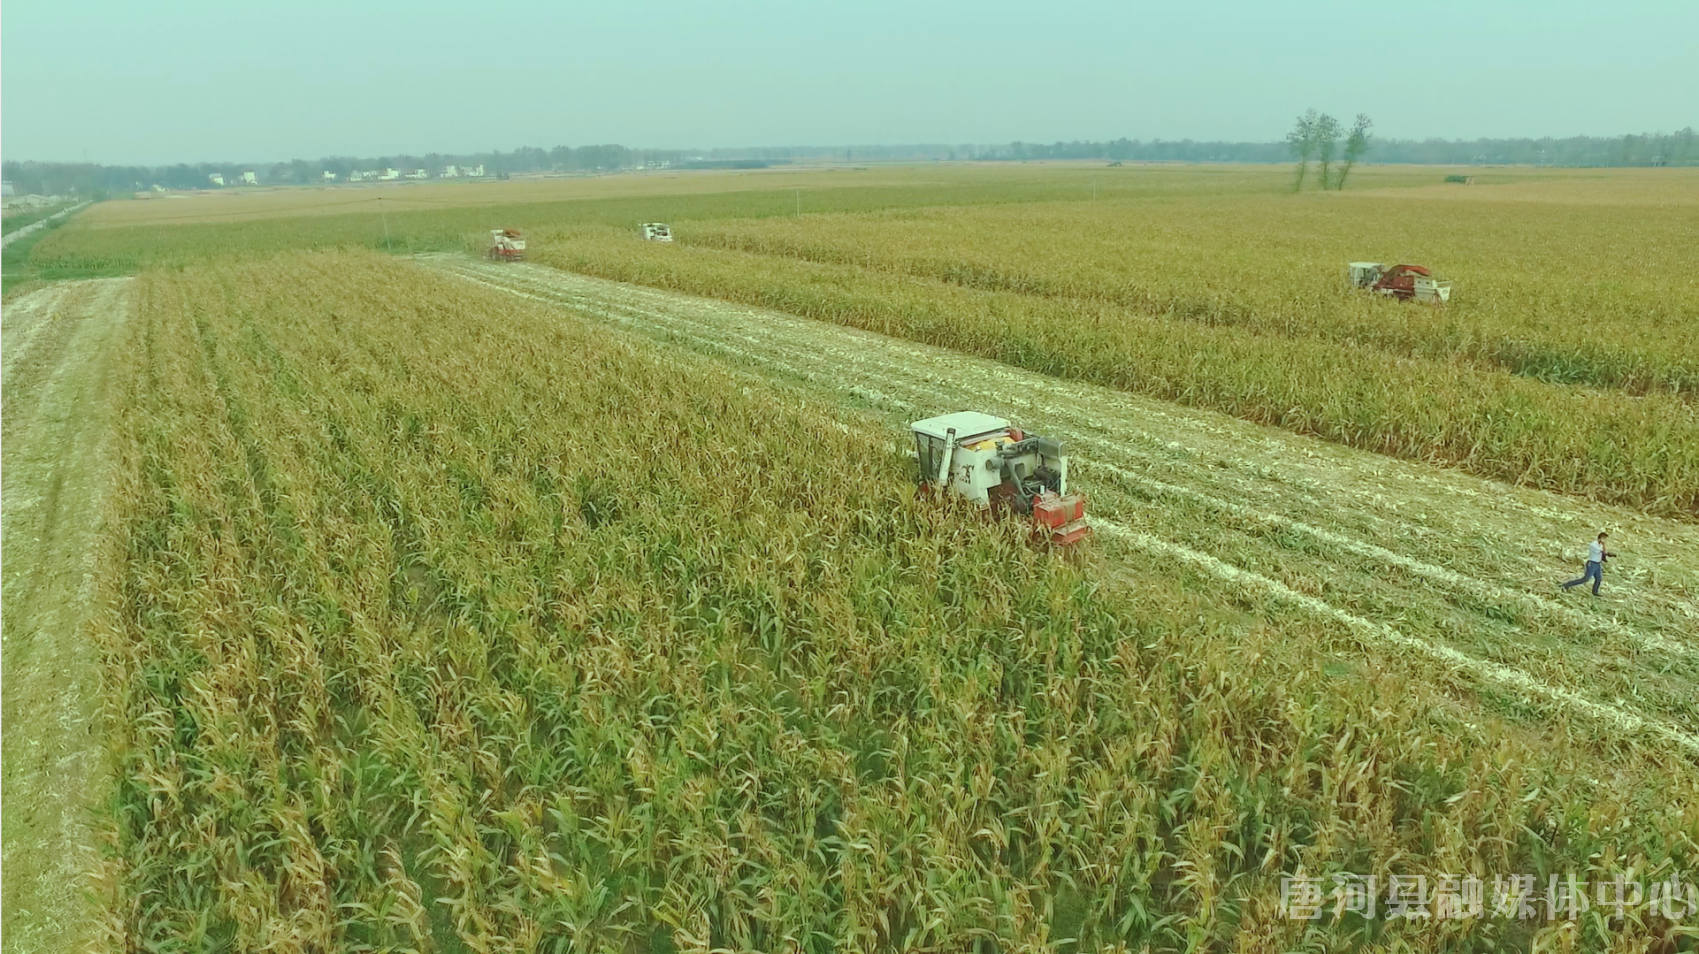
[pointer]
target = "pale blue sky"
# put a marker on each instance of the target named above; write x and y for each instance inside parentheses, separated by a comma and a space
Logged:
(249, 81)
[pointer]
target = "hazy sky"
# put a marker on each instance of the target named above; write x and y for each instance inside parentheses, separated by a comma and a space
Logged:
(251, 80)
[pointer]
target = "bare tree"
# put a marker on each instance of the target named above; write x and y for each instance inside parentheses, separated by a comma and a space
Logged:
(1302, 141)
(1327, 140)
(1355, 145)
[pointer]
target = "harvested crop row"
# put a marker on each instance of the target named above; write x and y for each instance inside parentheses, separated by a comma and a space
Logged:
(438, 622)
(1121, 445)
(1613, 447)
(1609, 306)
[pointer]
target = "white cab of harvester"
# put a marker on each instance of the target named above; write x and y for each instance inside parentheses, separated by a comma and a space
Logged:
(986, 460)
(975, 438)
(656, 232)
(1365, 274)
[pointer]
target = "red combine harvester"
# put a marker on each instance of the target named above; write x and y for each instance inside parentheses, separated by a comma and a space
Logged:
(1403, 282)
(507, 245)
(1000, 468)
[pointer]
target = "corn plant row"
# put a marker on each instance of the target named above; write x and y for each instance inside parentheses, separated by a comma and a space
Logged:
(1640, 451)
(1610, 305)
(439, 623)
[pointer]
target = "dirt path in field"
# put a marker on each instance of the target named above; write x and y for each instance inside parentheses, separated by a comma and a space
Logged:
(1421, 560)
(57, 344)
(34, 227)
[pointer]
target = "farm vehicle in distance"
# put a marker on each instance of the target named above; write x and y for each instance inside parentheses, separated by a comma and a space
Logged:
(506, 245)
(1403, 282)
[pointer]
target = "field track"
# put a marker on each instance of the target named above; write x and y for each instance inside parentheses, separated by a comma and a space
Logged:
(58, 341)
(1450, 569)
(34, 227)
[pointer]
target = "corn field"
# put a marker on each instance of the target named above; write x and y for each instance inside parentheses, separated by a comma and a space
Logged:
(1567, 365)
(439, 621)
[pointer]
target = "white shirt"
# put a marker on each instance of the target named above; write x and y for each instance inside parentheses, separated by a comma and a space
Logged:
(1595, 552)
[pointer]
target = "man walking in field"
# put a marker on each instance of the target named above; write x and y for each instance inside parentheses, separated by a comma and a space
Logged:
(1595, 571)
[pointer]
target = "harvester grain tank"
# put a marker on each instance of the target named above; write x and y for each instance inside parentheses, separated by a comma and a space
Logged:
(1000, 468)
(656, 232)
(507, 245)
(1403, 282)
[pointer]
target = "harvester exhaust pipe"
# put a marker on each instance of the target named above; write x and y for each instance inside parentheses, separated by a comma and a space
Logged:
(949, 454)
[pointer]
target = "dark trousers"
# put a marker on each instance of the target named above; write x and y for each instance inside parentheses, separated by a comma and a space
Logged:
(1594, 572)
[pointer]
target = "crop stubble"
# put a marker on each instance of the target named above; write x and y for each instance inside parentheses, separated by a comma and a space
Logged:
(59, 350)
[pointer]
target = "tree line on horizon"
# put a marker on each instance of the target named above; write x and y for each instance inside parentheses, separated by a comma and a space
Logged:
(1680, 148)
(91, 179)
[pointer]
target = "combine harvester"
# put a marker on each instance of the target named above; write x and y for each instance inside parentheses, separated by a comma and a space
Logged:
(507, 245)
(655, 232)
(1403, 282)
(1002, 469)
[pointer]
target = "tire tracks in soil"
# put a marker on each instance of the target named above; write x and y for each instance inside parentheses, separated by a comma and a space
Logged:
(57, 429)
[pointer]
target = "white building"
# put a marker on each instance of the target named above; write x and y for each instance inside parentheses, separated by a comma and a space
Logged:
(328, 176)
(418, 174)
(216, 178)
(450, 172)
(389, 175)
(248, 178)
(6, 189)
(474, 171)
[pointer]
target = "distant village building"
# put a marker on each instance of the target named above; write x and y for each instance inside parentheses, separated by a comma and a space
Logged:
(328, 176)
(474, 171)
(451, 172)
(6, 189)
(389, 175)
(248, 178)
(418, 174)
(216, 178)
